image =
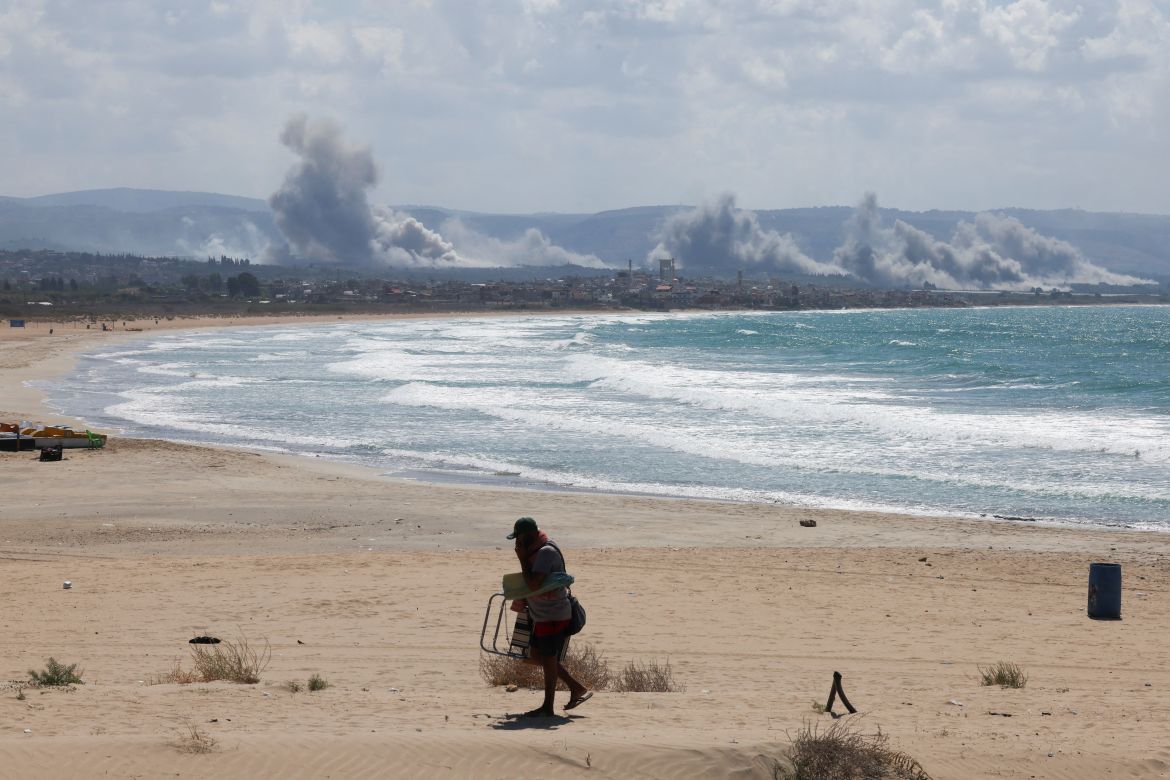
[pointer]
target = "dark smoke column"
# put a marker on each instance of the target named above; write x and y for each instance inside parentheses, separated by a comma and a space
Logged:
(718, 238)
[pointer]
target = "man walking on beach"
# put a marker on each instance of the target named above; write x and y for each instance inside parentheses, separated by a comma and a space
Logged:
(550, 611)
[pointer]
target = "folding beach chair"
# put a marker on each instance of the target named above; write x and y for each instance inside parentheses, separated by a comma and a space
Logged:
(511, 643)
(514, 642)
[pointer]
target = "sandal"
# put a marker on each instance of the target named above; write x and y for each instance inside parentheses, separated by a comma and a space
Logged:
(579, 700)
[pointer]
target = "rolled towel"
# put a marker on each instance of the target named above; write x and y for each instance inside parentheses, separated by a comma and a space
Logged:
(514, 586)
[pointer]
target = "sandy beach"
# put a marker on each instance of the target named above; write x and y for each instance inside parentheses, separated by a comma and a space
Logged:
(379, 586)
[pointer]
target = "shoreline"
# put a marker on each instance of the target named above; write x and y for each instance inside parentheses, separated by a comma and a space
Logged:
(53, 354)
(63, 353)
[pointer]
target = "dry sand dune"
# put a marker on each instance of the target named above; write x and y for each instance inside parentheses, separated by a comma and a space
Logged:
(380, 585)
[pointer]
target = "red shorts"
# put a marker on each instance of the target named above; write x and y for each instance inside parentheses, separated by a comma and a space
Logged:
(548, 639)
(551, 627)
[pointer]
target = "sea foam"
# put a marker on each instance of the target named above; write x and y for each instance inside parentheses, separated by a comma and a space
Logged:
(1046, 413)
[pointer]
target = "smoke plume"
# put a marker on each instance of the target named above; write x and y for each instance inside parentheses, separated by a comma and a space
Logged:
(242, 238)
(992, 252)
(531, 248)
(323, 211)
(716, 237)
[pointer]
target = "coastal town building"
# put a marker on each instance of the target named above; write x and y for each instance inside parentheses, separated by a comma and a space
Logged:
(84, 284)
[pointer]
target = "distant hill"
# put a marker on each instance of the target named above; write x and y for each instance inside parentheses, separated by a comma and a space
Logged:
(150, 222)
(144, 201)
(197, 224)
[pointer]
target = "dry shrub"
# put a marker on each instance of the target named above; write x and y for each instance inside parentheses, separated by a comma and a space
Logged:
(236, 662)
(318, 683)
(192, 740)
(841, 752)
(1004, 674)
(589, 666)
(502, 670)
(177, 675)
(647, 678)
(583, 661)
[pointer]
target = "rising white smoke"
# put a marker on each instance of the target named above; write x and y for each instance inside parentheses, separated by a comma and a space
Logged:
(243, 239)
(323, 211)
(992, 252)
(717, 238)
(531, 248)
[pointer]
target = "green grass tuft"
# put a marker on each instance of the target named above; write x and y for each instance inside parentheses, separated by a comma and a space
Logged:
(1003, 674)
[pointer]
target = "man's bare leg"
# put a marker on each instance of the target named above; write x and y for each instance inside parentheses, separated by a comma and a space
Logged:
(576, 689)
(554, 670)
(549, 664)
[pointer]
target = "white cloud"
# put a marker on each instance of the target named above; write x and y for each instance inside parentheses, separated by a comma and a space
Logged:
(541, 6)
(317, 44)
(980, 37)
(588, 104)
(1028, 30)
(381, 45)
(767, 75)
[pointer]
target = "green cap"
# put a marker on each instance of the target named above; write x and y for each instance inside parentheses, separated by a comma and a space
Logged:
(525, 525)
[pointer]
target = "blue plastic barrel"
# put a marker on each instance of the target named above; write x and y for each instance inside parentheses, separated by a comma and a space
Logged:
(1105, 591)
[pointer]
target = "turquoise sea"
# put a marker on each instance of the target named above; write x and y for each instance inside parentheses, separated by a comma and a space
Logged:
(1057, 414)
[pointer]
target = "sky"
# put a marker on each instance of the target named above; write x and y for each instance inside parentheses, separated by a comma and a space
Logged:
(567, 106)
